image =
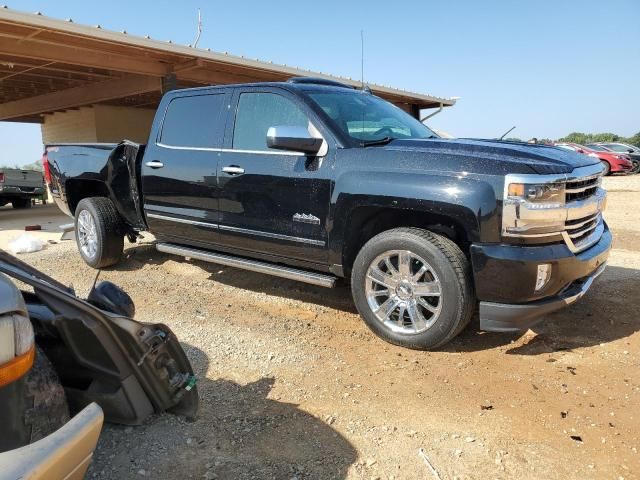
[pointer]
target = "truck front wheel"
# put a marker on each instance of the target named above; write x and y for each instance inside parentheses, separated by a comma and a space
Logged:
(413, 288)
(99, 232)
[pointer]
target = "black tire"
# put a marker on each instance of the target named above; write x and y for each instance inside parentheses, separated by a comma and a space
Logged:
(452, 268)
(607, 168)
(109, 232)
(21, 203)
(46, 406)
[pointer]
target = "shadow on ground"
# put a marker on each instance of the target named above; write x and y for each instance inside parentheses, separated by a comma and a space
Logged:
(240, 433)
(606, 313)
(338, 298)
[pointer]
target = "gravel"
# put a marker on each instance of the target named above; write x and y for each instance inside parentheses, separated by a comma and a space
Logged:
(293, 385)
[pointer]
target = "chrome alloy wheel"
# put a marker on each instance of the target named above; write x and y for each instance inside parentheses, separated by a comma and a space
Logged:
(87, 234)
(403, 292)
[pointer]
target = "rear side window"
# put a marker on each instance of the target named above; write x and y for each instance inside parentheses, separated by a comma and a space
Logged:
(259, 111)
(196, 121)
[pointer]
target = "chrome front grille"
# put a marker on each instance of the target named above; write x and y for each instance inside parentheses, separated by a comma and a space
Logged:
(581, 233)
(577, 220)
(582, 188)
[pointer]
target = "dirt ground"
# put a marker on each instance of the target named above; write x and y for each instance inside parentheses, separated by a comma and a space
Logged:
(294, 386)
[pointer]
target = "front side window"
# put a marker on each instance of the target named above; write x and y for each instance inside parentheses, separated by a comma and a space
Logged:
(195, 121)
(365, 117)
(616, 147)
(257, 112)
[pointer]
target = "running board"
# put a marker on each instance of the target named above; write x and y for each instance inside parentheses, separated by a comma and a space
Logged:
(313, 278)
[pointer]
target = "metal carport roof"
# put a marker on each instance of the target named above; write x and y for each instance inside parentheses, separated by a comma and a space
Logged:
(49, 65)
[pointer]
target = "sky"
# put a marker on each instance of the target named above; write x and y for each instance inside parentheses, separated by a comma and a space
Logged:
(547, 67)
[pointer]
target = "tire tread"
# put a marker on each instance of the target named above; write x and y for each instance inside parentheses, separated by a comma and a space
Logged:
(461, 267)
(110, 230)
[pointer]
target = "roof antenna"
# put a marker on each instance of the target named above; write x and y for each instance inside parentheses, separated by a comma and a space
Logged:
(507, 132)
(195, 42)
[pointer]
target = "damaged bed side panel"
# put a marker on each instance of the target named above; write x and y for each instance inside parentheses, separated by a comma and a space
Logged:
(98, 169)
(122, 172)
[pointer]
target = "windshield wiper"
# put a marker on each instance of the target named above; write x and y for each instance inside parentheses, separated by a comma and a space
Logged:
(380, 141)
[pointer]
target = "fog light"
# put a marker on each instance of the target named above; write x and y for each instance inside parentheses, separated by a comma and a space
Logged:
(544, 274)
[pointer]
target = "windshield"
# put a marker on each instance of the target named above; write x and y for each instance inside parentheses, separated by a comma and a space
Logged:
(366, 118)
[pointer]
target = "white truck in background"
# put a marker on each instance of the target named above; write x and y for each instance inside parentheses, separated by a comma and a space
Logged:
(20, 187)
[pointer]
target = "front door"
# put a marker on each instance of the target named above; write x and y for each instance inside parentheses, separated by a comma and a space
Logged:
(272, 203)
(179, 177)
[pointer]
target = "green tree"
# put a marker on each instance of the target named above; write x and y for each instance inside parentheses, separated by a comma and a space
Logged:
(37, 166)
(633, 140)
(575, 137)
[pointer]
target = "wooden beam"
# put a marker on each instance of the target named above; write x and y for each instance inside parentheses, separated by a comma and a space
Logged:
(33, 119)
(78, 96)
(188, 65)
(86, 58)
(57, 68)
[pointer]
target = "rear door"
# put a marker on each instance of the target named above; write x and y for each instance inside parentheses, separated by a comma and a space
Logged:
(179, 167)
(272, 203)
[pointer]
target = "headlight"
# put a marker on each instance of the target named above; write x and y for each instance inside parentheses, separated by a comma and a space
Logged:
(17, 350)
(551, 194)
(533, 209)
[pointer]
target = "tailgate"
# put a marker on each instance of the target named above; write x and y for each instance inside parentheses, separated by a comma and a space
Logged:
(27, 180)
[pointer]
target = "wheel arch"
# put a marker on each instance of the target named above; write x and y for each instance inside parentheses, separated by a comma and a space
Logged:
(365, 222)
(79, 189)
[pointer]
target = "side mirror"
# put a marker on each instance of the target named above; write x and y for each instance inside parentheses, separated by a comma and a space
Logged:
(293, 138)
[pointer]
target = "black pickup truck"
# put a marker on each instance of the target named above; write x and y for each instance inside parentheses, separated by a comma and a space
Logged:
(313, 180)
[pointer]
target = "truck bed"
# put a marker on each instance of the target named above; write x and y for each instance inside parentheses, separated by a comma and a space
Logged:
(108, 169)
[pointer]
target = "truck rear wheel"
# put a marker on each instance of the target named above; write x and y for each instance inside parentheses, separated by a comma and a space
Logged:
(20, 203)
(99, 232)
(413, 288)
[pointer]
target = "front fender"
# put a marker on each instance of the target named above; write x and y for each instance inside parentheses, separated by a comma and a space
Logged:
(468, 201)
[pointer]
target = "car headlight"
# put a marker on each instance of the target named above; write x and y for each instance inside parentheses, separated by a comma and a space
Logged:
(17, 348)
(550, 194)
(532, 209)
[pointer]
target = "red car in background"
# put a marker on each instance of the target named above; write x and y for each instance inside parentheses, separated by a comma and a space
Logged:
(613, 162)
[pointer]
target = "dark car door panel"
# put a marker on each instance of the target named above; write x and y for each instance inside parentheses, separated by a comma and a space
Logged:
(271, 201)
(279, 205)
(179, 174)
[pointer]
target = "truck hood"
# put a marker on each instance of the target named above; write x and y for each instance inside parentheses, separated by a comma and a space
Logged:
(541, 159)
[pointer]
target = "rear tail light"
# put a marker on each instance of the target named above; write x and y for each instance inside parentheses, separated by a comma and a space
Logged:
(1, 177)
(46, 169)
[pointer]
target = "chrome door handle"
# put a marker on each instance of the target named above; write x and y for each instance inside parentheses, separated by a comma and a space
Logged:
(154, 164)
(233, 170)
